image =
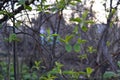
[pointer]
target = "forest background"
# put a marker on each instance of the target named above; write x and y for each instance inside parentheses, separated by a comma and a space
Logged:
(59, 40)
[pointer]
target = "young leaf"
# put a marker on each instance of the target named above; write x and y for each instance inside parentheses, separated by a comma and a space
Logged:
(81, 41)
(75, 30)
(68, 38)
(89, 71)
(83, 56)
(60, 4)
(114, 11)
(48, 31)
(18, 23)
(46, 6)
(70, 72)
(28, 7)
(3, 12)
(84, 15)
(89, 22)
(109, 75)
(59, 65)
(76, 47)
(85, 29)
(73, 3)
(37, 65)
(78, 19)
(108, 43)
(68, 47)
(91, 49)
(42, 35)
(62, 40)
(39, 8)
(55, 35)
(13, 37)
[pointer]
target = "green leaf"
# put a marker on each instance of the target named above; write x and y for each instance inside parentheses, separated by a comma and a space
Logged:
(68, 38)
(85, 29)
(53, 9)
(82, 73)
(70, 72)
(84, 15)
(81, 41)
(73, 3)
(59, 65)
(114, 11)
(78, 0)
(17, 24)
(118, 63)
(49, 38)
(83, 56)
(89, 70)
(42, 35)
(21, 2)
(111, 23)
(37, 63)
(28, 7)
(3, 12)
(13, 37)
(48, 31)
(89, 22)
(91, 49)
(62, 40)
(78, 19)
(11, 78)
(39, 8)
(74, 74)
(56, 69)
(68, 47)
(55, 35)
(108, 43)
(109, 75)
(26, 77)
(61, 4)
(46, 6)
(76, 47)
(75, 30)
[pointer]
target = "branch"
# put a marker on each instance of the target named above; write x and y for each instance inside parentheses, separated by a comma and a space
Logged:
(18, 10)
(102, 47)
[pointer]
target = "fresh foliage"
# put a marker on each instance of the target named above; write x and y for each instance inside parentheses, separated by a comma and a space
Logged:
(45, 44)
